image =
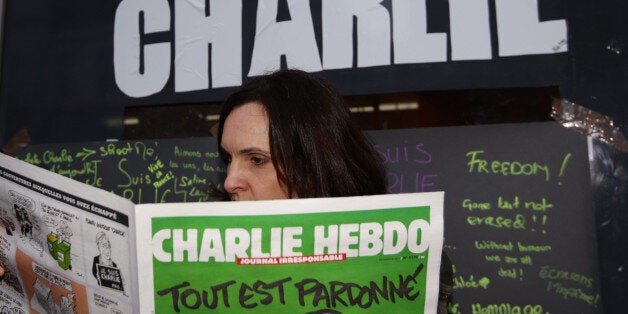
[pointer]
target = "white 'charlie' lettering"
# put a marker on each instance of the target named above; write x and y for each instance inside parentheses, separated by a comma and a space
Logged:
(196, 28)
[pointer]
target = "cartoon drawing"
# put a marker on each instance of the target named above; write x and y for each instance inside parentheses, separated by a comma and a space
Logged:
(6, 222)
(67, 304)
(43, 300)
(64, 232)
(60, 251)
(104, 268)
(59, 245)
(23, 218)
(22, 205)
(43, 296)
(30, 229)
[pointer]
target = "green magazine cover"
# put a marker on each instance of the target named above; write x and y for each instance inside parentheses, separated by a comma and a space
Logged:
(329, 255)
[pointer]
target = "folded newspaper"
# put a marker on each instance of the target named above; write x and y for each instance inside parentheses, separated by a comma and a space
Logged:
(67, 247)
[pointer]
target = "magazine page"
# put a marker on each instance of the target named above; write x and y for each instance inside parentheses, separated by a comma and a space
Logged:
(65, 247)
(328, 255)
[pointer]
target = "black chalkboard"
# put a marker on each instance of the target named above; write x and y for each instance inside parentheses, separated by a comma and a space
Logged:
(519, 214)
(162, 171)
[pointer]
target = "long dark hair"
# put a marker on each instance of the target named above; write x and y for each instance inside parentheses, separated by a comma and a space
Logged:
(316, 147)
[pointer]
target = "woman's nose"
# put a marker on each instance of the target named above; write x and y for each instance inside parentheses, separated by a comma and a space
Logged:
(234, 180)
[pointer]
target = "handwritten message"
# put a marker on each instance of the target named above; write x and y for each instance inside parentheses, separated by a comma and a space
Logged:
(519, 224)
(310, 291)
(413, 153)
(141, 171)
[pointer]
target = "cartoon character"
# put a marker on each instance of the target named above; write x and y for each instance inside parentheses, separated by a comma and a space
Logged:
(104, 268)
(26, 227)
(60, 248)
(64, 232)
(104, 258)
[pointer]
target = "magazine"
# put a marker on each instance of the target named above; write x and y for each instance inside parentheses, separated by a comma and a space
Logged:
(67, 247)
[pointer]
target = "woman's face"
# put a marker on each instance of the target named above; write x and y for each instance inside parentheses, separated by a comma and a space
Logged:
(251, 174)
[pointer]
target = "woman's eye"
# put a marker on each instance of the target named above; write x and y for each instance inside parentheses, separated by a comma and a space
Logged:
(258, 160)
(224, 156)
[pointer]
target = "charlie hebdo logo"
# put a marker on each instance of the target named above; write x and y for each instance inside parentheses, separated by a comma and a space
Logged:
(351, 240)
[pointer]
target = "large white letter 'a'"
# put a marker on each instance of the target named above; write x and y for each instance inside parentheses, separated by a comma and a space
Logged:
(294, 39)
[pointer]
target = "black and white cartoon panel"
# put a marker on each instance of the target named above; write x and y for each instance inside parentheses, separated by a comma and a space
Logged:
(28, 225)
(110, 250)
(104, 268)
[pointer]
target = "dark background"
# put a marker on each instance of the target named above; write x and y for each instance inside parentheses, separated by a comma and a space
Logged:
(57, 66)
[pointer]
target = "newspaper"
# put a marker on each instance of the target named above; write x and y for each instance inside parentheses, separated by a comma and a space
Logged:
(67, 247)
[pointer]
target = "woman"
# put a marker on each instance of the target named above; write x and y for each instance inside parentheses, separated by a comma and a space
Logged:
(290, 135)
